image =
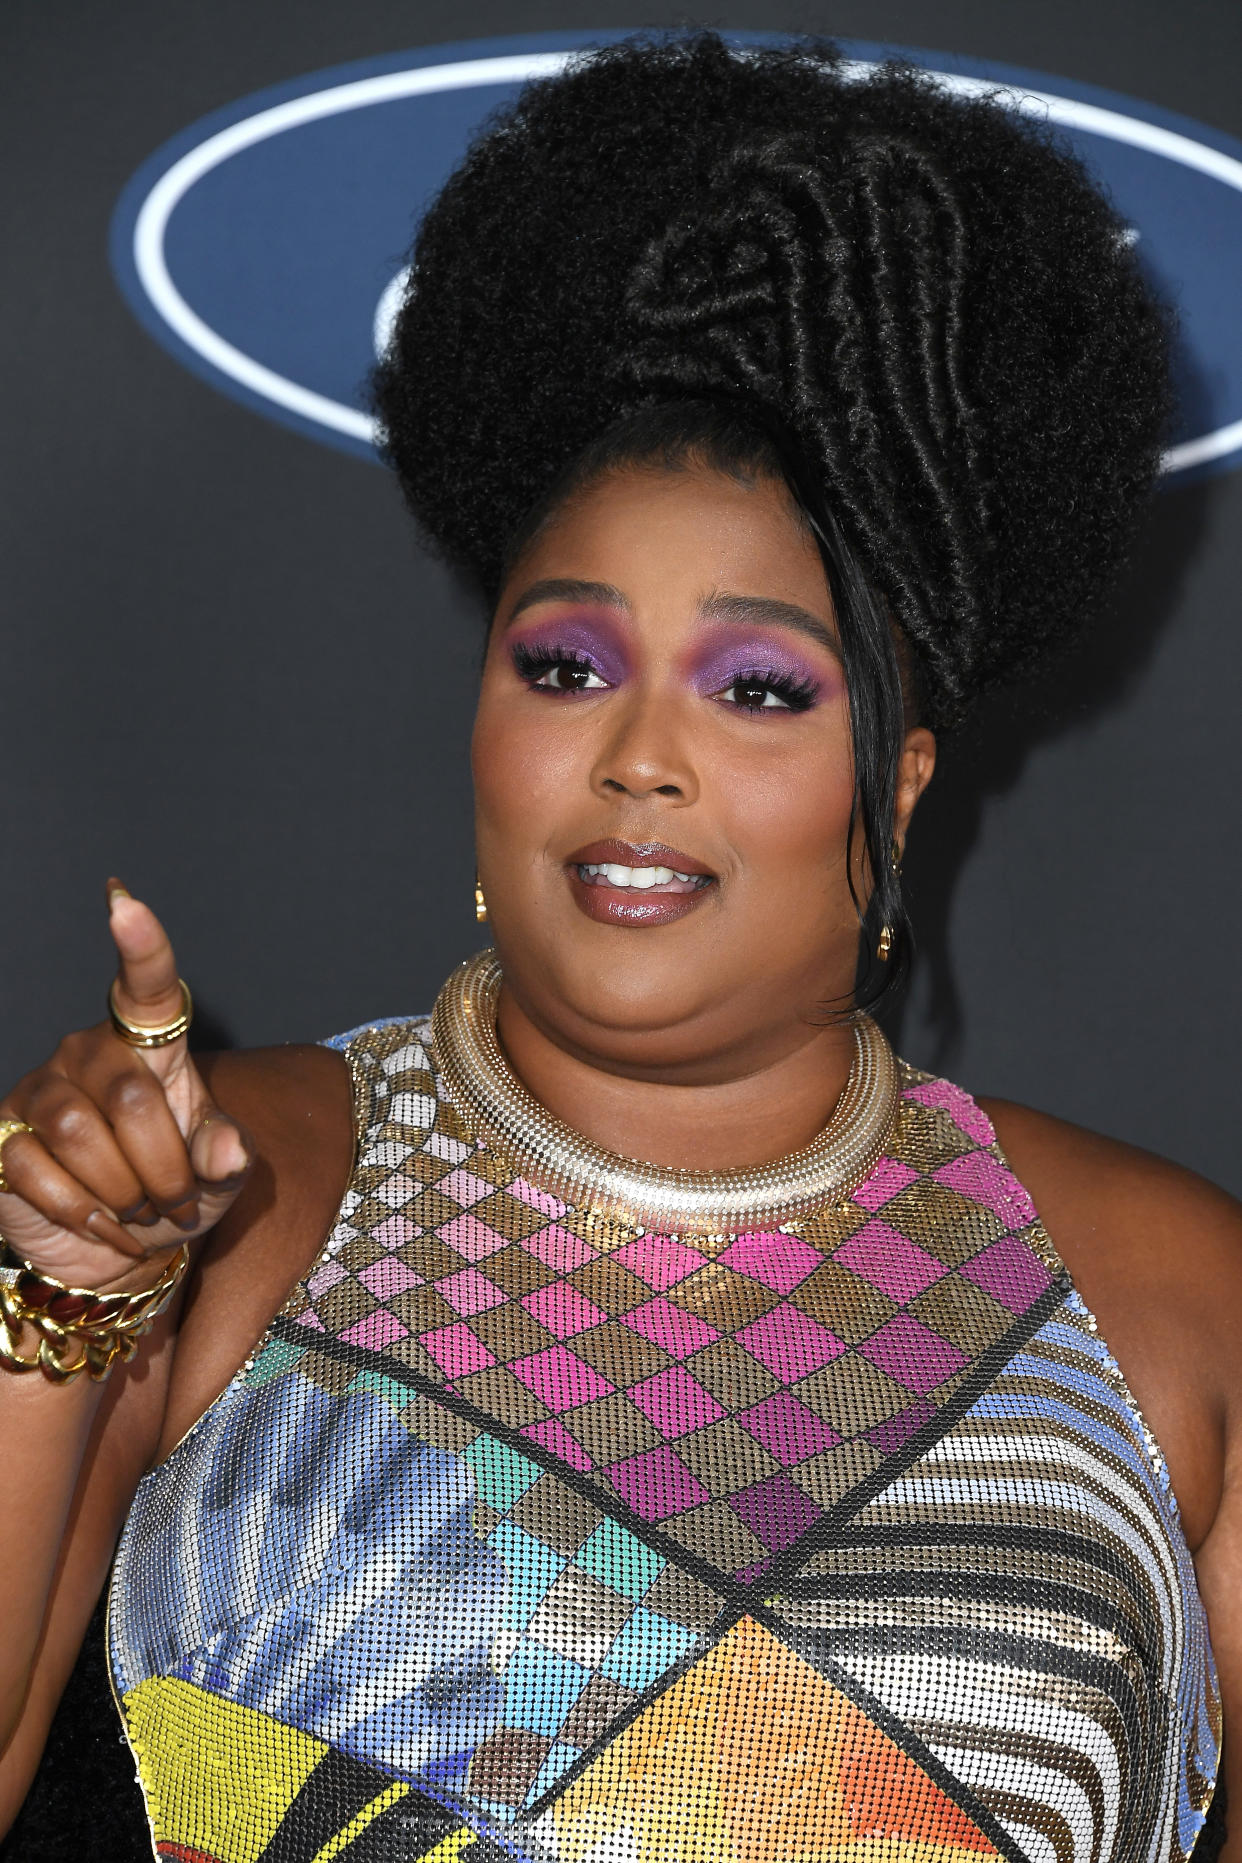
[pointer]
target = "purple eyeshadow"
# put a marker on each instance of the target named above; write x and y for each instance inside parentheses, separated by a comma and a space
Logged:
(593, 640)
(719, 663)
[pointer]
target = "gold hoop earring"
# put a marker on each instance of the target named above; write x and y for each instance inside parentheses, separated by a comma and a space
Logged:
(480, 904)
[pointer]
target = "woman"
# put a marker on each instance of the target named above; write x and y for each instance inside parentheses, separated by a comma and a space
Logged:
(689, 1441)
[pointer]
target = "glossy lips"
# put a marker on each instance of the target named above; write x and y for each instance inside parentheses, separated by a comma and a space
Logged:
(636, 883)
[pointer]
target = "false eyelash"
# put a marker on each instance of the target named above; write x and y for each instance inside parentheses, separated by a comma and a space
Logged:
(531, 662)
(798, 694)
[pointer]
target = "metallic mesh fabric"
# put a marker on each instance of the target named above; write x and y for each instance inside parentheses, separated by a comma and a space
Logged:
(519, 1537)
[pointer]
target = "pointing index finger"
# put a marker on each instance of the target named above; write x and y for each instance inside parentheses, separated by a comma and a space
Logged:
(148, 988)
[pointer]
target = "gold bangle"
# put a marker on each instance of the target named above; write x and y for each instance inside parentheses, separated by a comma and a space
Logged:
(9, 1128)
(78, 1329)
(146, 1035)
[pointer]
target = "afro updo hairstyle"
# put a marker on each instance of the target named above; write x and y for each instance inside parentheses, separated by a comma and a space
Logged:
(911, 305)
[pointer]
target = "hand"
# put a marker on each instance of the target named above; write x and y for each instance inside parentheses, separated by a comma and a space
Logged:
(129, 1157)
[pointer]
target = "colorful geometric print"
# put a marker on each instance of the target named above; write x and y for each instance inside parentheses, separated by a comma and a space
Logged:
(411, 1590)
(738, 1395)
(1024, 1598)
(228, 1785)
(415, 1630)
(700, 1776)
(860, 1555)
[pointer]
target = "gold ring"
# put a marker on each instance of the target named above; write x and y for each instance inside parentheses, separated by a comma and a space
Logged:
(9, 1128)
(144, 1035)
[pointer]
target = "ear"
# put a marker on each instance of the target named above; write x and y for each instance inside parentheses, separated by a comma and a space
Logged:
(914, 773)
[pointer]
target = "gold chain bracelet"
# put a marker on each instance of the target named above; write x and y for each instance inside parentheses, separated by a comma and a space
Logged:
(79, 1330)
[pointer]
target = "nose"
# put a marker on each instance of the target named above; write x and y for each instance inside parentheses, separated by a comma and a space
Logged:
(646, 751)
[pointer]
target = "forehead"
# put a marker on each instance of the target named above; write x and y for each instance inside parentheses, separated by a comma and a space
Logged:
(672, 535)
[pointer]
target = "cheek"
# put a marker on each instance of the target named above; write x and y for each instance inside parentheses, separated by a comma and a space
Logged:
(789, 808)
(520, 762)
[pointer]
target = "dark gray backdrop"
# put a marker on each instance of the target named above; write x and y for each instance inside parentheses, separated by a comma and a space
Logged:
(229, 675)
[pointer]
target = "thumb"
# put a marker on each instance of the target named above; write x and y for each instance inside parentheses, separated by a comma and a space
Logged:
(147, 989)
(220, 1151)
(148, 992)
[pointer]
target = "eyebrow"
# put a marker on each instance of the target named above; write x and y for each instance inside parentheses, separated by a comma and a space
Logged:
(568, 589)
(761, 610)
(767, 612)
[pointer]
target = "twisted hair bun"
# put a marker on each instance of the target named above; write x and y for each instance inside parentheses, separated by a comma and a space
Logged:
(922, 295)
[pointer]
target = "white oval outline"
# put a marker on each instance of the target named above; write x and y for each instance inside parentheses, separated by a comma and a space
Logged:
(387, 306)
(151, 224)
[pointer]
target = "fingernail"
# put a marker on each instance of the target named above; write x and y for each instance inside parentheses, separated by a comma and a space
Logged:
(101, 1225)
(143, 1214)
(185, 1216)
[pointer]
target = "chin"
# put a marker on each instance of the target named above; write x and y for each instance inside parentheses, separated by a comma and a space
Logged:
(620, 993)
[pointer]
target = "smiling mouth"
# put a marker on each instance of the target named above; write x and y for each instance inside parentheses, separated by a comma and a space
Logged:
(637, 883)
(640, 879)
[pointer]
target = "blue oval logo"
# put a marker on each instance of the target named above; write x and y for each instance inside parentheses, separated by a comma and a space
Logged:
(263, 246)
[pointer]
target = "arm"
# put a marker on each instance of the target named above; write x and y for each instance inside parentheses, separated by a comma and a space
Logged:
(117, 1129)
(71, 1469)
(1219, 1567)
(1156, 1253)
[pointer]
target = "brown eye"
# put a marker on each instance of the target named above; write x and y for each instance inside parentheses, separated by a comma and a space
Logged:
(572, 676)
(754, 695)
(556, 669)
(767, 692)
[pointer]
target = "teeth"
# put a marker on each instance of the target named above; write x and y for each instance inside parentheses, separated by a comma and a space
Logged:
(639, 877)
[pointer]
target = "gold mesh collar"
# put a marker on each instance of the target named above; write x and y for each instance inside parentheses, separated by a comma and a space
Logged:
(551, 1155)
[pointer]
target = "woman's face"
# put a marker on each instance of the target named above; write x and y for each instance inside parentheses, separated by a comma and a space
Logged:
(663, 777)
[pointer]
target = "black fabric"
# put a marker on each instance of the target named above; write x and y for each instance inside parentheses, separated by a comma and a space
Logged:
(416, 1822)
(1215, 1831)
(336, 1791)
(85, 1801)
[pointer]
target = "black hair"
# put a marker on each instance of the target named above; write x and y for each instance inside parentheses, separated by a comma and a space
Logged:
(912, 303)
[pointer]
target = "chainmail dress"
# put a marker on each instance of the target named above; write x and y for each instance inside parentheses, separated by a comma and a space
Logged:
(522, 1536)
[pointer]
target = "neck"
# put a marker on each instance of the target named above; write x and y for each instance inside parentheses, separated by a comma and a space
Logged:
(756, 1109)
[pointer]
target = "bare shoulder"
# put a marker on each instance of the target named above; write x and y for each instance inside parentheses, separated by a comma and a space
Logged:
(1156, 1253)
(1086, 1185)
(296, 1105)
